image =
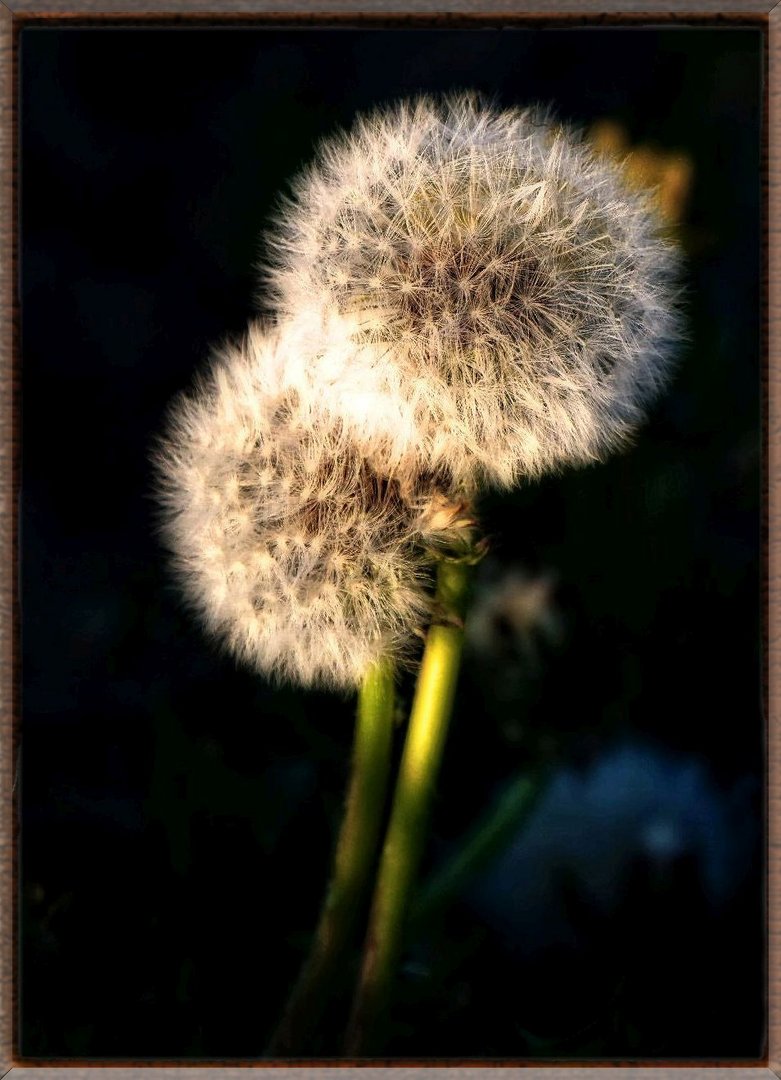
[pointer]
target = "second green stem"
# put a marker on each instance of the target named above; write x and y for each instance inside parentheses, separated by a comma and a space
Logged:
(415, 786)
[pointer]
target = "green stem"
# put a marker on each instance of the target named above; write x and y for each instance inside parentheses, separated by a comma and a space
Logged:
(415, 786)
(353, 863)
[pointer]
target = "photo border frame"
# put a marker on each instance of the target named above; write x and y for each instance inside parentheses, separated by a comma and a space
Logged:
(15, 15)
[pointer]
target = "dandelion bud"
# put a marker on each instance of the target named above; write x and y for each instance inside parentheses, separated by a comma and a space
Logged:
(296, 554)
(516, 291)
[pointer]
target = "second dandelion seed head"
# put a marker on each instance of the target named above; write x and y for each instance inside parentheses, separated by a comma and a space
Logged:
(297, 554)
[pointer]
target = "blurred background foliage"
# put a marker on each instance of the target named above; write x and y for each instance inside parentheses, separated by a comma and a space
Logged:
(593, 885)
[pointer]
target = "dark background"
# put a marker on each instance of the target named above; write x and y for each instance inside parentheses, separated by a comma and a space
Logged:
(177, 814)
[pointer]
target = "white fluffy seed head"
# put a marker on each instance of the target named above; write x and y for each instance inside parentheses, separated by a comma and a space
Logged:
(296, 553)
(513, 297)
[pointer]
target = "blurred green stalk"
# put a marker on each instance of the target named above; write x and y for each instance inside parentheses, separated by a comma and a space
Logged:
(483, 843)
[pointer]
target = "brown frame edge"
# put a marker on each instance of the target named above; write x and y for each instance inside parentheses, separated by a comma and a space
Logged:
(18, 13)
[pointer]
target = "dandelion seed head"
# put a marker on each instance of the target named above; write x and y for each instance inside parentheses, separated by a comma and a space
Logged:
(301, 558)
(517, 292)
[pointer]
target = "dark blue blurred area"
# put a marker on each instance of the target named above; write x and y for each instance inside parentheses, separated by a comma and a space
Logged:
(177, 814)
(633, 807)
